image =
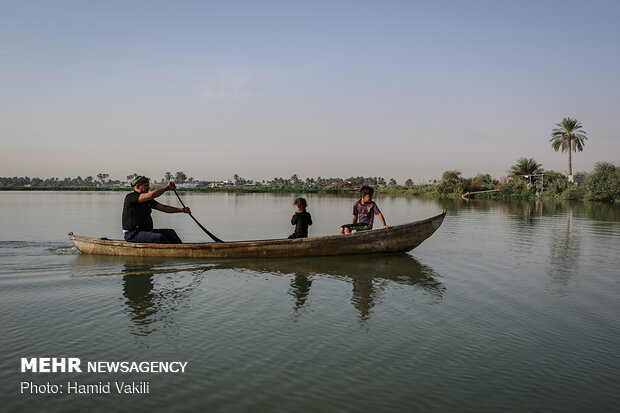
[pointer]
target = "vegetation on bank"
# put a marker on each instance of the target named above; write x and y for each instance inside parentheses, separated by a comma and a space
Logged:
(526, 180)
(602, 184)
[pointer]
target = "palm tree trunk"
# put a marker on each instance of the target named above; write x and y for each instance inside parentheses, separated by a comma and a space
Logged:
(570, 164)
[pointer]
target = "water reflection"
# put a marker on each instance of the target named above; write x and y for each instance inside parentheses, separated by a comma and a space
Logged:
(525, 210)
(564, 253)
(300, 289)
(368, 275)
(553, 226)
(141, 301)
(152, 301)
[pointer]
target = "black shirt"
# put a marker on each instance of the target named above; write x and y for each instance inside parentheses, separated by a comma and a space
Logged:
(137, 215)
(301, 220)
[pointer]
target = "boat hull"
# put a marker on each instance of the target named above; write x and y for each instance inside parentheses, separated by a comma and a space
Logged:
(400, 238)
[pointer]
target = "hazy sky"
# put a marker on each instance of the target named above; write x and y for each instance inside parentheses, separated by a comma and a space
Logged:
(263, 89)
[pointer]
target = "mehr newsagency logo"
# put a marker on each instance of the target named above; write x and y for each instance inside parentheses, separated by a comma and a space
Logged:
(42, 365)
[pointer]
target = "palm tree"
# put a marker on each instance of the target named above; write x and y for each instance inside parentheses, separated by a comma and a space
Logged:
(525, 166)
(180, 177)
(102, 177)
(569, 137)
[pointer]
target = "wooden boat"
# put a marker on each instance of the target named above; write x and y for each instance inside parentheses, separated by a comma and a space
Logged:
(400, 238)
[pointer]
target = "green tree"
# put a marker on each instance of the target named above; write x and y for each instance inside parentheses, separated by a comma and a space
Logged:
(451, 183)
(451, 177)
(603, 184)
(180, 177)
(481, 182)
(568, 136)
(525, 166)
(409, 183)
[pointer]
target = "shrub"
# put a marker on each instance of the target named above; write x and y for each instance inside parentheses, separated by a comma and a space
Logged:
(603, 184)
(574, 192)
(557, 187)
(518, 187)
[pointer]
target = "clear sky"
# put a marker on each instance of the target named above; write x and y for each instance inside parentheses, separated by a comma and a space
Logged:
(263, 89)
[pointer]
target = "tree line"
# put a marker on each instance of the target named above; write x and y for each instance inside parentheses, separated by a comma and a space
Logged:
(526, 179)
(294, 181)
(88, 182)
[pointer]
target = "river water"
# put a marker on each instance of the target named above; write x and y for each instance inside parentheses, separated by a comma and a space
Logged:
(509, 306)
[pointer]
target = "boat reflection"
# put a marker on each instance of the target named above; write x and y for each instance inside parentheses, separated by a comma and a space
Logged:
(369, 275)
(152, 301)
(141, 301)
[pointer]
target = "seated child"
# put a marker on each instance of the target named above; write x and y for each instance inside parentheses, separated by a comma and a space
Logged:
(364, 212)
(301, 219)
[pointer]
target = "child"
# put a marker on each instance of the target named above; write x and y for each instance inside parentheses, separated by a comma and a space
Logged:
(301, 219)
(364, 212)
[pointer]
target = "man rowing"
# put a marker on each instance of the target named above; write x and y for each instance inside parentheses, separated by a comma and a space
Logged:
(137, 221)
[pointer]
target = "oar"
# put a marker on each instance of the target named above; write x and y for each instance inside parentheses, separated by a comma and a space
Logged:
(216, 239)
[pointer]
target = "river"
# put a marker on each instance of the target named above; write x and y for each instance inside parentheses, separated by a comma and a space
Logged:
(509, 306)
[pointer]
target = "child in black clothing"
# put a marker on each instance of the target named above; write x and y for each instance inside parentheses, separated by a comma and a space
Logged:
(301, 219)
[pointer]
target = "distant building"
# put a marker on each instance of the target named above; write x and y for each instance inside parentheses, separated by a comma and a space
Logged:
(218, 184)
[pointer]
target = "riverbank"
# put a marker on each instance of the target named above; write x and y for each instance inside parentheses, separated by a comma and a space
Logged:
(602, 184)
(522, 192)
